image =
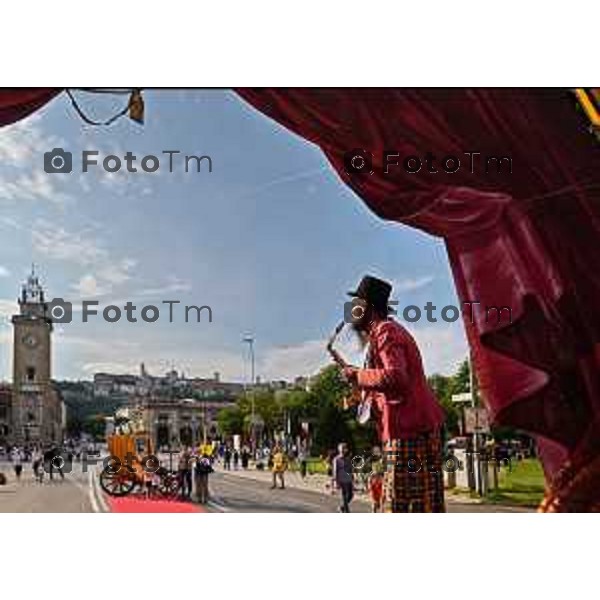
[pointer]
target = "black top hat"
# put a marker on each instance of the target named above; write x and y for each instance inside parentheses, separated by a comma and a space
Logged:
(373, 291)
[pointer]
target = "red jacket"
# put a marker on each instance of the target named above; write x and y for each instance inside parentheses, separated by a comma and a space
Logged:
(402, 402)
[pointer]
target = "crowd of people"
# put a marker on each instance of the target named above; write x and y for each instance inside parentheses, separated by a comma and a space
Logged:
(44, 460)
(346, 475)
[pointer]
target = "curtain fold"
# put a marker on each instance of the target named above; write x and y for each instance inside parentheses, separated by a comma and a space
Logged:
(16, 104)
(527, 239)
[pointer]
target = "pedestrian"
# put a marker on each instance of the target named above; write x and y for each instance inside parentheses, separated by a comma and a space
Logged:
(245, 457)
(236, 458)
(303, 462)
(17, 459)
(329, 457)
(54, 461)
(185, 472)
(394, 391)
(279, 466)
(227, 458)
(375, 481)
(203, 469)
(36, 464)
(343, 476)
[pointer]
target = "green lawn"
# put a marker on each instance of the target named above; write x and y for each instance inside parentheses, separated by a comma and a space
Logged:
(523, 484)
(314, 465)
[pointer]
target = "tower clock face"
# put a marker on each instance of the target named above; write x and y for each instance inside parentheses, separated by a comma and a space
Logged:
(30, 340)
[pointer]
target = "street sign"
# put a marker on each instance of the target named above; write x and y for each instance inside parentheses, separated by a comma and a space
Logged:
(477, 420)
(466, 397)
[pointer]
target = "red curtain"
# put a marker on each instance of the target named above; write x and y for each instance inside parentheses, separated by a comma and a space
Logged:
(16, 104)
(528, 240)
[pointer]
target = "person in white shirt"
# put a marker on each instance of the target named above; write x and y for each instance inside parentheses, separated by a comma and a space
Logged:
(17, 459)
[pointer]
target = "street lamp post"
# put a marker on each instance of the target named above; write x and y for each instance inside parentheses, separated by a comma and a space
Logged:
(477, 466)
(248, 339)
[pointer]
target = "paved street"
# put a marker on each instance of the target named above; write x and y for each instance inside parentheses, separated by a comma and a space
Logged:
(247, 492)
(236, 493)
(242, 492)
(75, 494)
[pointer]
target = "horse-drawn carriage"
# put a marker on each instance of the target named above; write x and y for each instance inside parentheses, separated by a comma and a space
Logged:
(133, 465)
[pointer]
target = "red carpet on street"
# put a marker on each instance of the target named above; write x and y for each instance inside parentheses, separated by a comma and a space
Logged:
(143, 505)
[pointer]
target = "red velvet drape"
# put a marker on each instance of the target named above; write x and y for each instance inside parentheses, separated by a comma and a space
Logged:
(16, 104)
(528, 240)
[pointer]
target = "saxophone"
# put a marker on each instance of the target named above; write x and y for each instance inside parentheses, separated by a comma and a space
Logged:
(356, 397)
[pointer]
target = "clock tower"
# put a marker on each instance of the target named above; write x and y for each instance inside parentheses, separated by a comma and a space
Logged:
(36, 408)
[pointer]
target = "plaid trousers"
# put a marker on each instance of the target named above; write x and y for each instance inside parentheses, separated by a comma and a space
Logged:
(413, 479)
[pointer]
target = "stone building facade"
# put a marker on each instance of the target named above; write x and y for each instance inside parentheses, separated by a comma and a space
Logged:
(175, 423)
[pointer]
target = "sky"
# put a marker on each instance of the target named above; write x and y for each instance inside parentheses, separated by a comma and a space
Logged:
(270, 239)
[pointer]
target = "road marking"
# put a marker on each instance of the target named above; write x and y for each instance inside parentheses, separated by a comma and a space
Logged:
(218, 506)
(100, 495)
(95, 493)
(92, 493)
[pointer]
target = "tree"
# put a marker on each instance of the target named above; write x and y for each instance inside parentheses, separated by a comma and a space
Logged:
(331, 422)
(95, 426)
(230, 420)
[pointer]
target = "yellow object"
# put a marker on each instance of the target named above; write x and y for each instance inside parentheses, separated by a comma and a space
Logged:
(130, 450)
(206, 449)
(136, 107)
(279, 462)
(590, 102)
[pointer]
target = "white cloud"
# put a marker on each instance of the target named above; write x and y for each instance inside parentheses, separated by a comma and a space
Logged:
(24, 141)
(443, 348)
(22, 175)
(103, 271)
(411, 284)
(174, 286)
(88, 287)
(78, 356)
(4, 272)
(7, 309)
(117, 272)
(34, 186)
(57, 243)
(288, 362)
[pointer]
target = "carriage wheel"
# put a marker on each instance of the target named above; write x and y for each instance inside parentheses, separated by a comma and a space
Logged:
(117, 484)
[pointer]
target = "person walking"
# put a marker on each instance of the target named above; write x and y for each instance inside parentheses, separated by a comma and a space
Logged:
(343, 476)
(202, 471)
(375, 480)
(245, 457)
(17, 459)
(227, 458)
(329, 457)
(54, 461)
(236, 458)
(302, 462)
(279, 467)
(36, 464)
(184, 468)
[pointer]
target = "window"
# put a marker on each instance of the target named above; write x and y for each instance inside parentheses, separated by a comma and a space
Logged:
(30, 375)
